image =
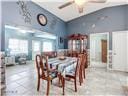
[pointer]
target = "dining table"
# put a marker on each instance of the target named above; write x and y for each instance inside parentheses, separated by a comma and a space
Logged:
(63, 66)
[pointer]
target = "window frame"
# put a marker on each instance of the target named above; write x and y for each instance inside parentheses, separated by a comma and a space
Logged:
(52, 46)
(17, 48)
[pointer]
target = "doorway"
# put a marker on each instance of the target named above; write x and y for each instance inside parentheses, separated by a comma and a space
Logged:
(104, 51)
(120, 51)
(99, 48)
(35, 48)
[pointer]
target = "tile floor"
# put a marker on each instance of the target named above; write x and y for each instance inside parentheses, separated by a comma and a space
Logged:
(22, 80)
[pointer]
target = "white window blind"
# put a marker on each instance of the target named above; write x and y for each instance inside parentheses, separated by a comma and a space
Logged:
(17, 46)
(36, 46)
(47, 46)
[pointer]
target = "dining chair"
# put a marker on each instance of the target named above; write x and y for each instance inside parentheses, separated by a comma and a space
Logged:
(81, 70)
(82, 67)
(72, 74)
(50, 54)
(84, 64)
(44, 72)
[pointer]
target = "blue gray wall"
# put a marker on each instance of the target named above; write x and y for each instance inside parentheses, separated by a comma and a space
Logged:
(11, 15)
(126, 17)
(116, 21)
(0, 26)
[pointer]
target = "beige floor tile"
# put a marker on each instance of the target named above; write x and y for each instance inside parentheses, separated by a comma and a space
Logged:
(12, 85)
(22, 79)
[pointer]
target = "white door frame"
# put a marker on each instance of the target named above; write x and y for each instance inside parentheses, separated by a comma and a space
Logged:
(105, 33)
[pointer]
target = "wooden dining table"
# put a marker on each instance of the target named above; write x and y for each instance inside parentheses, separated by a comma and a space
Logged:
(63, 66)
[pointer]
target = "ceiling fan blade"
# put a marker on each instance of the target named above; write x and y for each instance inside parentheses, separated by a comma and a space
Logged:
(97, 1)
(66, 4)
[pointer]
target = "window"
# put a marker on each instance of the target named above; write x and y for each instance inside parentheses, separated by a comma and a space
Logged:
(17, 46)
(36, 46)
(47, 46)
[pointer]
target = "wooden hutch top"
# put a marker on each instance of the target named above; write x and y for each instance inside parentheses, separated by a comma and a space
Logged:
(77, 37)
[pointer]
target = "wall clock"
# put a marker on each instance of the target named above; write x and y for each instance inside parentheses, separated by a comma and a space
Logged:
(42, 19)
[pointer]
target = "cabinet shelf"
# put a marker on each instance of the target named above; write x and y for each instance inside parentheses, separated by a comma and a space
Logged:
(77, 43)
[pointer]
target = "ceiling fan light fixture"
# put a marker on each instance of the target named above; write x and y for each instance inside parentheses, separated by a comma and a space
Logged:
(80, 9)
(80, 2)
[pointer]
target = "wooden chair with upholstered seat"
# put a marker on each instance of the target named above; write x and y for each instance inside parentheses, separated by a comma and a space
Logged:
(84, 64)
(44, 72)
(75, 72)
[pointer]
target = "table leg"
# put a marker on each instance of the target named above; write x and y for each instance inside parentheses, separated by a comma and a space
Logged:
(60, 80)
(63, 83)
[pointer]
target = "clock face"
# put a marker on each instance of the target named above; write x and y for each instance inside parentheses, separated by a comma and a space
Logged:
(42, 19)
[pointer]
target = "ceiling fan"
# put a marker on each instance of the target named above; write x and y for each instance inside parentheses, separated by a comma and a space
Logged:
(80, 4)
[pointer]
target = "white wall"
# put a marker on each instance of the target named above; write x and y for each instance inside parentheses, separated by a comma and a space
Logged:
(127, 54)
(127, 61)
(95, 46)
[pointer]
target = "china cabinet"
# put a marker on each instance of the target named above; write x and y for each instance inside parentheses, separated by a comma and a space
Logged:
(77, 43)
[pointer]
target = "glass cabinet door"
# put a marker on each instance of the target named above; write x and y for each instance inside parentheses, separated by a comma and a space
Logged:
(77, 45)
(69, 45)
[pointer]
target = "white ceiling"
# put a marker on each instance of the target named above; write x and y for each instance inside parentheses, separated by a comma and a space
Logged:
(71, 12)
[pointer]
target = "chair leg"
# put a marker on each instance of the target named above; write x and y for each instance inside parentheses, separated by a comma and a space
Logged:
(51, 81)
(63, 84)
(48, 86)
(38, 85)
(75, 85)
(84, 72)
(59, 80)
(81, 75)
(80, 79)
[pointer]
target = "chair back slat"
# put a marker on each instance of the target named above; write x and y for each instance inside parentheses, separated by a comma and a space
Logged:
(78, 66)
(42, 66)
(45, 63)
(84, 60)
